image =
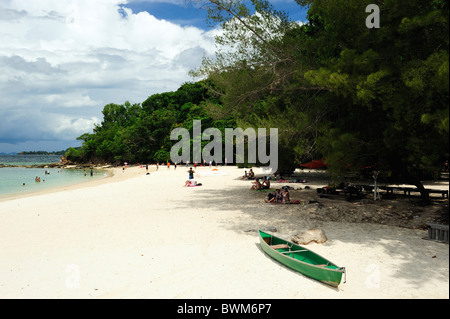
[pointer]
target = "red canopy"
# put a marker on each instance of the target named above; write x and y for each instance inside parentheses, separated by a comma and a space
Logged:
(315, 164)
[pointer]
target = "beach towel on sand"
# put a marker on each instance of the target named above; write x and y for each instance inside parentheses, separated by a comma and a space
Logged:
(292, 202)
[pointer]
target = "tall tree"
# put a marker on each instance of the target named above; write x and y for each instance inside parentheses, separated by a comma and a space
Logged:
(256, 75)
(358, 96)
(395, 83)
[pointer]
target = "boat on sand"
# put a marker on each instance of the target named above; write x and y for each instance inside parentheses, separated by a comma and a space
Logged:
(301, 259)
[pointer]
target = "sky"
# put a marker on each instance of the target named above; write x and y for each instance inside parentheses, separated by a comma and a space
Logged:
(62, 61)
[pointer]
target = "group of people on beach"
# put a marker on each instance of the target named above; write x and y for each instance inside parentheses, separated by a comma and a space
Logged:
(280, 196)
(195, 164)
(191, 182)
(249, 175)
(261, 184)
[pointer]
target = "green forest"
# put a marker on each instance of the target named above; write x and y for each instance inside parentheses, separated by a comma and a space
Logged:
(336, 89)
(140, 133)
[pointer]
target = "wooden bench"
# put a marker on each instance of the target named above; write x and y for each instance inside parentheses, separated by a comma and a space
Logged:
(444, 193)
(408, 190)
(405, 190)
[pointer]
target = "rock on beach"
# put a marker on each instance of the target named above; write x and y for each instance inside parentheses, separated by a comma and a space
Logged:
(312, 235)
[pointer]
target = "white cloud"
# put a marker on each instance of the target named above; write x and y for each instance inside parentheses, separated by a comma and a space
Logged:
(73, 125)
(61, 61)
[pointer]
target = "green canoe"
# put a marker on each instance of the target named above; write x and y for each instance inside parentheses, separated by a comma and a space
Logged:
(301, 259)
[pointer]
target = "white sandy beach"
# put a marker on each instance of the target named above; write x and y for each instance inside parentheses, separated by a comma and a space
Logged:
(146, 236)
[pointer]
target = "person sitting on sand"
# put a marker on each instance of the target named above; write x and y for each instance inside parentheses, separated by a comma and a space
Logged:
(279, 198)
(256, 185)
(251, 174)
(274, 197)
(192, 183)
(245, 175)
(265, 183)
(285, 195)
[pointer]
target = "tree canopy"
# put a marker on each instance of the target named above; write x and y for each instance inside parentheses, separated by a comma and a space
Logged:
(359, 97)
(141, 132)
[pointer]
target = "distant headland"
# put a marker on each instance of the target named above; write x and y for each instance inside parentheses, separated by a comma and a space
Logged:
(35, 153)
(62, 163)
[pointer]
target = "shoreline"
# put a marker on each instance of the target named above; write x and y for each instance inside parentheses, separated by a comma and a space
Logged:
(147, 236)
(116, 171)
(56, 188)
(113, 175)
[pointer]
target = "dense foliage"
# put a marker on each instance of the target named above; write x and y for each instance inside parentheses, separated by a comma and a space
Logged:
(360, 97)
(140, 133)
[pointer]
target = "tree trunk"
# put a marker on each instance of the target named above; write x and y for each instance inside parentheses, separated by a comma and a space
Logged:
(423, 193)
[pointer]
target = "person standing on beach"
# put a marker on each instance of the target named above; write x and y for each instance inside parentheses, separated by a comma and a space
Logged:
(168, 165)
(191, 173)
(92, 172)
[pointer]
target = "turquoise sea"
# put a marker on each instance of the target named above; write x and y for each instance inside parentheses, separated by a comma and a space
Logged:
(20, 180)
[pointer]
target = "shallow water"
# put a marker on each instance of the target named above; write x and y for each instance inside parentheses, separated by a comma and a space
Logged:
(20, 180)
